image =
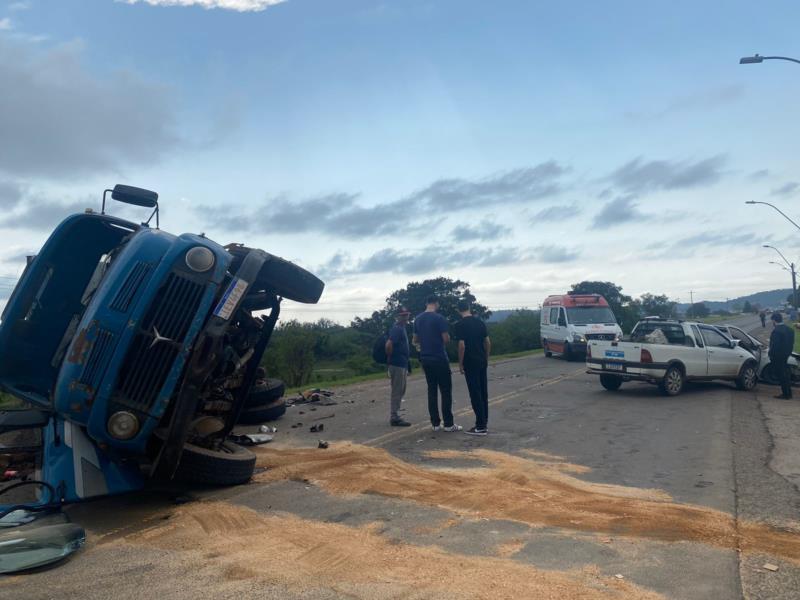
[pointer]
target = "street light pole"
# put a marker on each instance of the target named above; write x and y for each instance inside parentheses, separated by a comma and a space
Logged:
(785, 216)
(757, 58)
(791, 270)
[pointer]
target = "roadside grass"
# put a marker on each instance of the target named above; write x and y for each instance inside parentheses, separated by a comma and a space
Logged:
(342, 378)
(711, 319)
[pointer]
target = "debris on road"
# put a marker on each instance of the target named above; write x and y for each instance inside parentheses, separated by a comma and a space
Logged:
(322, 444)
(317, 428)
(251, 439)
(619, 576)
(267, 429)
(770, 567)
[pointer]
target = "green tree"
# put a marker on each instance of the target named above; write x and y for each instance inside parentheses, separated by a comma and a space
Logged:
(698, 310)
(651, 305)
(290, 355)
(747, 308)
(413, 296)
(517, 333)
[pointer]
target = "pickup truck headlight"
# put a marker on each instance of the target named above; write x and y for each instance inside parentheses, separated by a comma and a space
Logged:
(200, 259)
(123, 425)
(577, 337)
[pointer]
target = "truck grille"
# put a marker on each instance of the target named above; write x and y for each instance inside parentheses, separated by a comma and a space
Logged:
(601, 336)
(95, 366)
(158, 342)
(133, 283)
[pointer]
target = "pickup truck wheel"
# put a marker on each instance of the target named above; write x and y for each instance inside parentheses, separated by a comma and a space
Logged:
(266, 392)
(255, 415)
(231, 464)
(748, 378)
(611, 382)
(673, 381)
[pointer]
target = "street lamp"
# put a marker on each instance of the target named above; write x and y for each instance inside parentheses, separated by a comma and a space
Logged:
(752, 60)
(791, 270)
(785, 216)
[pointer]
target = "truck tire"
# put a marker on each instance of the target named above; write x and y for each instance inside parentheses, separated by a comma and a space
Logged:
(748, 377)
(611, 382)
(673, 381)
(255, 415)
(265, 393)
(230, 465)
(280, 277)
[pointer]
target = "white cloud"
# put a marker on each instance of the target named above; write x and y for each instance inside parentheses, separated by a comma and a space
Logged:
(237, 5)
(5, 24)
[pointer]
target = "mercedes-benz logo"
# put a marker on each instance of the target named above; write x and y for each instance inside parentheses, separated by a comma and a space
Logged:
(157, 337)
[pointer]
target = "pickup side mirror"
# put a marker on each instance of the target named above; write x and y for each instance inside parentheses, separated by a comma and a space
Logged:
(734, 343)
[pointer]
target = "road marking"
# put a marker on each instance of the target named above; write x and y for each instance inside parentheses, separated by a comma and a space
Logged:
(393, 435)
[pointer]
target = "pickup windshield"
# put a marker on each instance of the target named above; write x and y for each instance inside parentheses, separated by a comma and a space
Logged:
(590, 315)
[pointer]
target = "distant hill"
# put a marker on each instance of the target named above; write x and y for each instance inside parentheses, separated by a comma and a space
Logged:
(770, 299)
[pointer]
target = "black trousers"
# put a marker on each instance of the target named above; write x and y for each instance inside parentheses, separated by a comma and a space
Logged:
(783, 373)
(439, 378)
(478, 386)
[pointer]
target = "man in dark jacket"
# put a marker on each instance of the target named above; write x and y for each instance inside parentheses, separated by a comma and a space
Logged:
(781, 345)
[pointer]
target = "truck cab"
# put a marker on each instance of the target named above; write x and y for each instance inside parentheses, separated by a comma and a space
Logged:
(569, 321)
(141, 347)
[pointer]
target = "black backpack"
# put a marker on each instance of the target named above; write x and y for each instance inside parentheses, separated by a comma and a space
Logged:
(379, 349)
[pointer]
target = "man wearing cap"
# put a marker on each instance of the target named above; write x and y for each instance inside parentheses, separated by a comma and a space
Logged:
(397, 357)
(781, 345)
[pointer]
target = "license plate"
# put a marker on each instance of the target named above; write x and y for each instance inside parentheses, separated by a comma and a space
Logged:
(614, 366)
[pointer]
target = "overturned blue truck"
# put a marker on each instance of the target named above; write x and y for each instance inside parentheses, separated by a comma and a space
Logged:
(137, 350)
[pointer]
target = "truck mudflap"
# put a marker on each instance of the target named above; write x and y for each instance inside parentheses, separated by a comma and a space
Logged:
(208, 348)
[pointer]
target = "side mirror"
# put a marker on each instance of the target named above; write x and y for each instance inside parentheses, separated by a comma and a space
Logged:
(734, 343)
(133, 195)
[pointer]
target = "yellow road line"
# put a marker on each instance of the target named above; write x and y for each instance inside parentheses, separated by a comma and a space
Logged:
(393, 435)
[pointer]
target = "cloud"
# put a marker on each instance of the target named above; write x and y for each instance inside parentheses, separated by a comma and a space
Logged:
(556, 213)
(760, 174)
(701, 100)
(688, 245)
(618, 211)
(19, 6)
(786, 189)
(438, 257)
(59, 120)
(43, 214)
(638, 175)
(341, 214)
(5, 24)
(10, 194)
(237, 5)
(486, 230)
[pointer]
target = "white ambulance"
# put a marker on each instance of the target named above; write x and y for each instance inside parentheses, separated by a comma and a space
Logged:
(570, 320)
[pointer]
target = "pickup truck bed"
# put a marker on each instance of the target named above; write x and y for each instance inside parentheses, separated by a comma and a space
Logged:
(670, 353)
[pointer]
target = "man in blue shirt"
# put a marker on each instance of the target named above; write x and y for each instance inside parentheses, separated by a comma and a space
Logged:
(430, 336)
(397, 357)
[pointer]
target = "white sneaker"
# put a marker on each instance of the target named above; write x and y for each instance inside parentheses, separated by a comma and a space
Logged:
(452, 428)
(436, 427)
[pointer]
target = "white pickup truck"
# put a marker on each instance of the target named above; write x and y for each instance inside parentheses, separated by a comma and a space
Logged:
(669, 353)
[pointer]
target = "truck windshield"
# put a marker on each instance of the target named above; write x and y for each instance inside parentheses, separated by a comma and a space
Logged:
(590, 315)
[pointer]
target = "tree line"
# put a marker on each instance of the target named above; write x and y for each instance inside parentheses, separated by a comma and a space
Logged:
(297, 348)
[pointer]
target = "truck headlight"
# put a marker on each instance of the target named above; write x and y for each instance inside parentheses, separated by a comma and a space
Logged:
(123, 425)
(200, 259)
(577, 337)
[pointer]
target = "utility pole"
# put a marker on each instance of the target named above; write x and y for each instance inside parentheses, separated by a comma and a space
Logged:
(794, 286)
(691, 298)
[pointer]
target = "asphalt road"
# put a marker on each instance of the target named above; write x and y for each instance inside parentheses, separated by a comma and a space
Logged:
(716, 452)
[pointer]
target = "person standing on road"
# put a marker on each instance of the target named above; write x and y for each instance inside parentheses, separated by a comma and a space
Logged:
(763, 316)
(474, 347)
(781, 345)
(430, 336)
(397, 357)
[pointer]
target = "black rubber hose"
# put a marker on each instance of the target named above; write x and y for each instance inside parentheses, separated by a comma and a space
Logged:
(49, 505)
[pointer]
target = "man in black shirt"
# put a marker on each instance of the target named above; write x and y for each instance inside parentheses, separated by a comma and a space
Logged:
(781, 345)
(474, 347)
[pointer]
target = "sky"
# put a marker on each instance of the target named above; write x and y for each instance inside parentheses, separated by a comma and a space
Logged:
(520, 146)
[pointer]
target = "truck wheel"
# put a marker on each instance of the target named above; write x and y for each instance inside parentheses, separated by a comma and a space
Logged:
(265, 393)
(673, 381)
(256, 415)
(547, 352)
(748, 378)
(231, 464)
(611, 382)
